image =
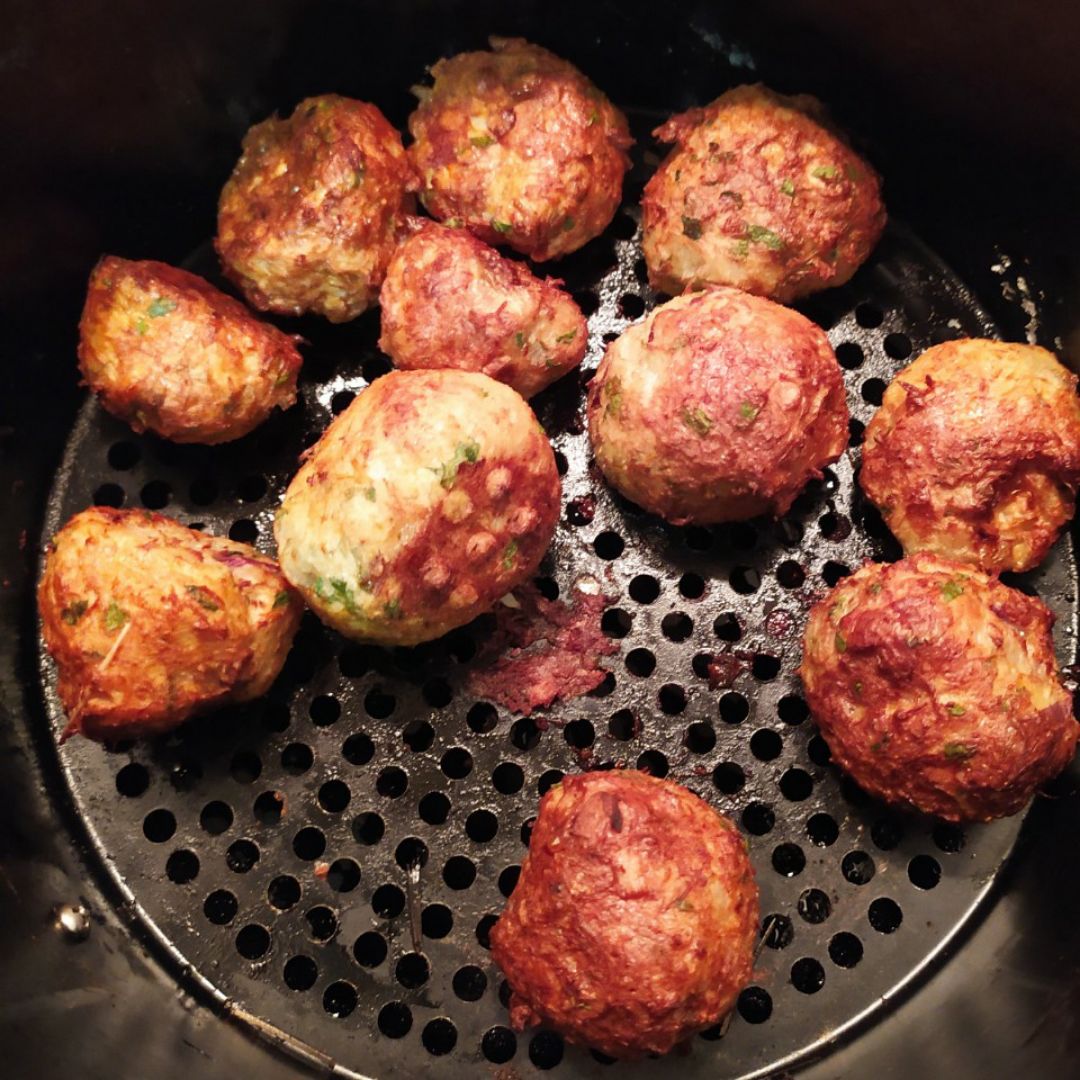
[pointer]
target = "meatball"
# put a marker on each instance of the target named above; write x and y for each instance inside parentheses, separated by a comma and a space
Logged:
(450, 301)
(936, 688)
(430, 497)
(312, 212)
(975, 453)
(521, 148)
(757, 194)
(149, 621)
(167, 352)
(718, 407)
(634, 921)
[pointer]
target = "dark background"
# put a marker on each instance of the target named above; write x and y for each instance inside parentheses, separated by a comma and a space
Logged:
(120, 121)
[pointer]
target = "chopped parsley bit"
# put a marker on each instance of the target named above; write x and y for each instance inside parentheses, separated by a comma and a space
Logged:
(481, 141)
(958, 751)
(787, 187)
(748, 412)
(74, 611)
(825, 172)
(565, 339)
(613, 393)
(691, 227)
(875, 588)
(594, 117)
(203, 597)
(832, 254)
(161, 306)
(463, 452)
(501, 226)
(282, 598)
(955, 710)
(851, 172)
(338, 593)
(685, 905)
(740, 249)
(369, 493)
(282, 379)
(358, 176)
(839, 642)
(952, 589)
(880, 744)
(519, 340)
(115, 616)
(698, 420)
(392, 609)
(141, 326)
(454, 223)
(568, 224)
(758, 234)
(857, 689)
(510, 555)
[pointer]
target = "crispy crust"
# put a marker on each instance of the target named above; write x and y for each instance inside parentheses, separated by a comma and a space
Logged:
(936, 688)
(757, 194)
(167, 352)
(521, 148)
(451, 301)
(431, 496)
(718, 407)
(149, 621)
(312, 212)
(634, 920)
(975, 453)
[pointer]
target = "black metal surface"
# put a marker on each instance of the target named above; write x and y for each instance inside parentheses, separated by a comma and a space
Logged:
(267, 849)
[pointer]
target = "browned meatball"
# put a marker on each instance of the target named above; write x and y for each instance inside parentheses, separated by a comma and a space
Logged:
(149, 621)
(759, 195)
(520, 147)
(717, 407)
(312, 212)
(167, 352)
(936, 688)
(634, 920)
(975, 453)
(450, 301)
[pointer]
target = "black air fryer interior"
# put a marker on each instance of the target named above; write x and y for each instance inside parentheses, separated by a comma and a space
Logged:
(255, 867)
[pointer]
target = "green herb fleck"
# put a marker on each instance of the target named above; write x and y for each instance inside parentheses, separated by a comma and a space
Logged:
(337, 592)
(369, 493)
(510, 555)
(519, 340)
(952, 589)
(748, 412)
(454, 223)
(613, 393)
(740, 249)
(851, 172)
(392, 609)
(115, 616)
(565, 339)
(501, 226)
(141, 326)
(758, 234)
(481, 141)
(787, 187)
(698, 420)
(832, 254)
(875, 588)
(825, 172)
(160, 306)
(74, 611)
(880, 744)
(358, 176)
(568, 224)
(283, 379)
(594, 117)
(857, 689)
(691, 227)
(463, 452)
(955, 710)
(203, 597)
(958, 751)
(281, 599)
(685, 905)
(840, 643)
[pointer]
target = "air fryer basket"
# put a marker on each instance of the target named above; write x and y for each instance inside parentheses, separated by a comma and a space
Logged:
(264, 857)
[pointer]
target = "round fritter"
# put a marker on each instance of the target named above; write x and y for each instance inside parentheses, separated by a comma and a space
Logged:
(757, 194)
(520, 147)
(634, 920)
(975, 453)
(149, 621)
(718, 407)
(450, 301)
(936, 687)
(312, 212)
(431, 496)
(167, 352)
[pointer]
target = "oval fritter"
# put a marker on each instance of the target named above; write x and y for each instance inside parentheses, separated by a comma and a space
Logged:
(758, 194)
(149, 621)
(451, 301)
(519, 147)
(936, 688)
(431, 496)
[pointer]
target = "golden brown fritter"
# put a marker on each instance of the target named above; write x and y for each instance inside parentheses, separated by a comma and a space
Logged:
(450, 301)
(757, 194)
(312, 212)
(167, 352)
(430, 497)
(519, 147)
(634, 920)
(936, 687)
(149, 621)
(975, 453)
(717, 407)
